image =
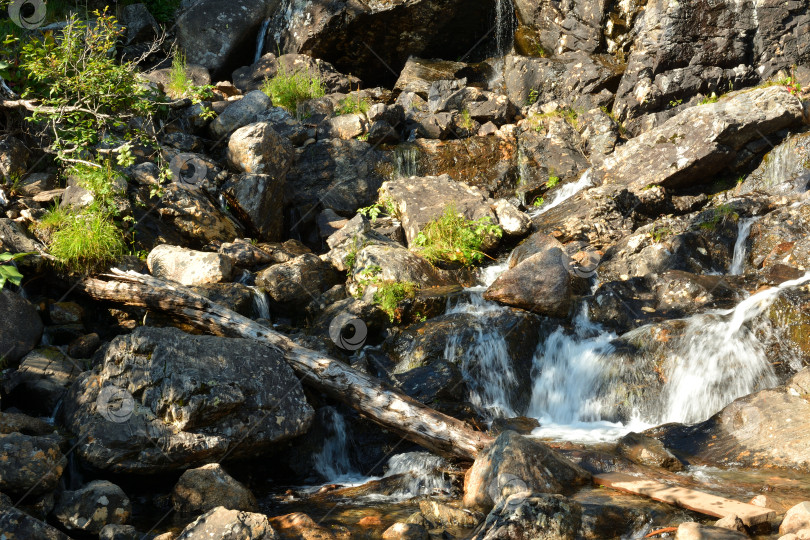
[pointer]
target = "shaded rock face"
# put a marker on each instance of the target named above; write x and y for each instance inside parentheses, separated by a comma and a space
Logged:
(218, 36)
(92, 507)
(250, 78)
(647, 451)
(193, 217)
(227, 524)
(785, 170)
(162, 399)
(258, 199)
(41, 381)
(240, 113)
(682, 49)
(765, 429)
(18, 525)
(536, 516)
(203, 489)
(701, 141)
(374, 41)
(259, 149)
(30, 465)
(20, 326)
(299, 281)
(399, 264)
(515, 464)
(336, 174)
(780, 238)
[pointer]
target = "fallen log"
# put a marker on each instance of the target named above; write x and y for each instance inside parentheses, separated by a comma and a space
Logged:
(389, 408)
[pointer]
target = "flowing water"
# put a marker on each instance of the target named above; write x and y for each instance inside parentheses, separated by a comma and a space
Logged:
(261, 306)
(565, 192)
(425, 471)
(260, 40)
(406, 161)
(505, 26)
(740, 248)
(333, 462)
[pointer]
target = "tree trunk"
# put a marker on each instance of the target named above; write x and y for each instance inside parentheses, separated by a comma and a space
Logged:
(391, 409)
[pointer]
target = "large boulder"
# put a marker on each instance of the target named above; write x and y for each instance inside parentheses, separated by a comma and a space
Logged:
(225, 524)
(681, 49)
(537, 516)
(299, 281)
(420, 200)
(20, 326)
(41, 381)
(783, 171)
(250, 78)
(191, 215)
(359, 38)
(18, 525)
(218, 35)
(30, 465)
(515, 464)
(701, 141)
(258, 200)
(14, 158)
(199, 399)
(240, 113)
(779, 238)
(796, 519)
(188, 267)
(337, 174)
(541, 282)
(769, 428)
(393, 262)
(92, 507)
(258, 149)
(203, 489)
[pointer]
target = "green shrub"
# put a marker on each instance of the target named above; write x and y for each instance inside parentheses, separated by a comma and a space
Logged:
(85, 240)
(352, 106)
(288, 90)
(389, 294)
(454, 238)
(89, 94)
(552, 181)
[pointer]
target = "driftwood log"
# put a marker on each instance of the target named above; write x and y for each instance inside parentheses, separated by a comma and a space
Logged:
(389, 408)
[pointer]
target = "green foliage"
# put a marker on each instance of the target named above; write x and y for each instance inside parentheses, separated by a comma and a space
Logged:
(389, 294)
(352, 106)
(84, 240)
(162, 10)
(466, 120)
(710, 99)
(180, 85)
(100, 181)
(552, 181)
(534, 95)
(385, 206)
(454, 238)
(538, 202)
(542, 52)
(89, 94)
(9, 272)
(10, 55)
(288, 90)
(660, 232)
(719, 215)
(675, 102)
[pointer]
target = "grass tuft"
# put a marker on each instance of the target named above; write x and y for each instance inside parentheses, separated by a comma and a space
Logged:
(289, 89)
(454, 238)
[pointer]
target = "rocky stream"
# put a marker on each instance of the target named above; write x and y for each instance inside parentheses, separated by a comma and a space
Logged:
(640, 303)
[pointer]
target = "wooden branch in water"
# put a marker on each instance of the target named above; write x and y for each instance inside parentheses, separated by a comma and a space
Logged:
(389, 408)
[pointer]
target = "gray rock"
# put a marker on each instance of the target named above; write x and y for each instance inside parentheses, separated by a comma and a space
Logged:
(405, 531)
(140, 24)
(196, 73)
(299, 281)
(41, 380)
(513, 222)
(336, 174)
(799, 384)
(699, 142)
(731, 522)
(647, 451)
(20, 423)
(420, 200)
(536, 516)
(92, 507)
(441, 514)
(18, 525)
(398, 264)
(225, 524)
(119, 532)
(249, 78)
(188, 267)
(20, 326)
(203, 489)
(346, 126)
(356, 234)
(576, 26)
(200, 398)
(541, 283)
(240, 113)
(515, 464)
(258, 149)
(14, 158)
(30, 465)
(337, 33)
(190, 213)
(211, 33)
(783, 170)
(258, 200)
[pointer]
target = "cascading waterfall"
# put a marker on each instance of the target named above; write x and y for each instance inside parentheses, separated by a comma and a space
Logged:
(565, 192)
(260, 40)
(720, 358)
(505, 26)
(406, 161)
(426, 474)
(738, 260)
(261, 307)
(333, 461)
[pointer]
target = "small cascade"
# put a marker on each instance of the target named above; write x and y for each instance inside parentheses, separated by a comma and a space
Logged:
(565, 192)
(486, 364)
(260, 40)
(720, 358)
(406, 161)
(3, 198)
(261, 306)
(333, 461)
(505, 26)
(426, 471)
(743, 230)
